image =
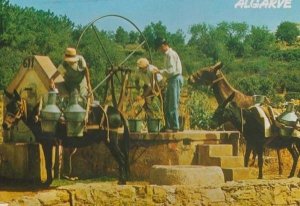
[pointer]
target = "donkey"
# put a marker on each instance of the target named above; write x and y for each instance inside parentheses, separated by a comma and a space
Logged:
(247, 122)
(213, 77)
(16, 110)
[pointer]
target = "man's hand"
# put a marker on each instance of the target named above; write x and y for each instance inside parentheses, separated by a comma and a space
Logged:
(155, 70)
(52, 86)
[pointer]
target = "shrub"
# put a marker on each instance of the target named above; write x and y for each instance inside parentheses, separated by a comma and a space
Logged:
(200, 110)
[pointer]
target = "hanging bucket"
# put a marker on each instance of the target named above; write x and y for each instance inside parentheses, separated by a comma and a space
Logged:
(153, 125)
(135, 125)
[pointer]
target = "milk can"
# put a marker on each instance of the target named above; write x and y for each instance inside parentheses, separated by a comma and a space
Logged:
(289, 119)
(50, 114)
(74, 115)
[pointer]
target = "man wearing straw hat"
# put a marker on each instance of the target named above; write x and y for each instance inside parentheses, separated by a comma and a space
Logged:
(75, 73)
(152, 84)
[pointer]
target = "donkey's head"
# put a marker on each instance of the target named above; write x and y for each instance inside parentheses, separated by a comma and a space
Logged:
(228, 111)
(15, 109)
(206, 76)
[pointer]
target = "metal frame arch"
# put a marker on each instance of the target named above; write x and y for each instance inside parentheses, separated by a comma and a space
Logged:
(118, 16)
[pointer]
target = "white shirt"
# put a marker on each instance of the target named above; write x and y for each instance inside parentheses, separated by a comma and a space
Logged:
(172, 63)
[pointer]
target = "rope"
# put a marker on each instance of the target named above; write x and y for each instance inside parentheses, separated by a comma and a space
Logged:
(218, 79)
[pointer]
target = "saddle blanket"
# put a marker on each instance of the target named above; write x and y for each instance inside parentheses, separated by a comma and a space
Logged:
(269, 126)
(265, 120)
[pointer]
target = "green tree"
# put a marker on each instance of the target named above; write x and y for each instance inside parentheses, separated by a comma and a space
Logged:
(287, 31)
(153, 31)
(255, 84)
(260, 39)
(121, 36)
(177, 39)
(203, 38)
(3, 15)
(133, 37)
(236, 35)
(39, 32)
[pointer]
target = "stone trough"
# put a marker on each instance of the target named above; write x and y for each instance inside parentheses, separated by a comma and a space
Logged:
(186, 175)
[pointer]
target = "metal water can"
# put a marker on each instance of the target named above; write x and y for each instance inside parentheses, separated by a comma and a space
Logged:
(258, 99)
(74, 115)
(289, 119)
(50, 114)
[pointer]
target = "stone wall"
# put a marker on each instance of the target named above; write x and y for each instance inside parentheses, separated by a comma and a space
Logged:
(146, 150)
(254, 192)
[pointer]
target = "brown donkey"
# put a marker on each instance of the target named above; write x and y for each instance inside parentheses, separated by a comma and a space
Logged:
(212, 76)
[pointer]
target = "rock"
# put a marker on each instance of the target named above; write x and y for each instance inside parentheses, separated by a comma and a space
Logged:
(186, 175)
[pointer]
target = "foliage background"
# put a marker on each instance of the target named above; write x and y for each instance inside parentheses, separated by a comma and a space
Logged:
(257, 61)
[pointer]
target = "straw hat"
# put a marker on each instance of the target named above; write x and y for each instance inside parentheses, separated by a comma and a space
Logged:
(142, 63)
(70, 55)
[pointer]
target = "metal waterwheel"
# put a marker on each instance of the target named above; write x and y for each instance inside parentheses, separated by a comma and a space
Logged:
(117, 72)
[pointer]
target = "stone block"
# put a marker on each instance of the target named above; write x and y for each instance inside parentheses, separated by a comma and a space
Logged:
(224, 161)
(186, 175)
(212, 150)
(239, 173)
(213, 195)
(22, 161)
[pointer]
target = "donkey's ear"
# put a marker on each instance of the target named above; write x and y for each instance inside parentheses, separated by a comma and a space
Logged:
(217, 66)
(16, 95)
(8, 95)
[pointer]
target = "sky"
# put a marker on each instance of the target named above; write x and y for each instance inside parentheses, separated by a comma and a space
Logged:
(174, 14)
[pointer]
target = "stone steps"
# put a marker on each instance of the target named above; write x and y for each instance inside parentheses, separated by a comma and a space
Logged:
(215, 150)
(238, 173)
(223, 161)
(221, 155)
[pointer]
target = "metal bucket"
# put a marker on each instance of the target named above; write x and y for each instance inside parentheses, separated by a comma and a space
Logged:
(288, 117)
(75, 129)
(286, 131)
(75, 122)
(258, 99)
(135, 125)
(153, 125)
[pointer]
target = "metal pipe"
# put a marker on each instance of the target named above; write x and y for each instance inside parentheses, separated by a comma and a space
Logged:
(141, 44)
(102, 45)
(108, 76)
